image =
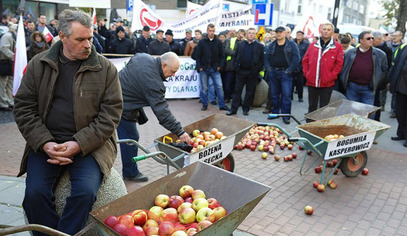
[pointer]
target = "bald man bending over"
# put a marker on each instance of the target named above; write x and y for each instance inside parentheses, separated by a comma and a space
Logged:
(142, 83)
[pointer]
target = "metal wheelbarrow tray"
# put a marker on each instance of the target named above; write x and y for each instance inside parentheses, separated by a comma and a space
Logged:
(232, 127)
(237, 194)
(342, 107)
(359, 132)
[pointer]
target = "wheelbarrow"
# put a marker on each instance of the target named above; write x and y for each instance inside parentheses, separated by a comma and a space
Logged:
(218, 153)
(215, 182)
(359, 133)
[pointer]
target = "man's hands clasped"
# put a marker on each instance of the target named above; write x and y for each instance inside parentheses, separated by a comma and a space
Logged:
(61, 154)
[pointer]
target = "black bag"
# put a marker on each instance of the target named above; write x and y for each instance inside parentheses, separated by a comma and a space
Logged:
(6, 67)
(142, 118)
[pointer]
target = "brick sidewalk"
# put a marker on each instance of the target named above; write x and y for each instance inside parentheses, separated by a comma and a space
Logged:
(365, 205)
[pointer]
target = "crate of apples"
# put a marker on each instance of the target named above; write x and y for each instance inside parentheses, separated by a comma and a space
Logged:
(179, 215)
(202, 139)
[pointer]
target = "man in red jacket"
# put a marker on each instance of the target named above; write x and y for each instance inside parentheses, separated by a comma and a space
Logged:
(321, 65)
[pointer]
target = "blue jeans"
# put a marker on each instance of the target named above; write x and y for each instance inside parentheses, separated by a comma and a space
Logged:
(128, 130)
(360, 93)
(214, 75)
(211, 91)
(280, 89)
(41, 181)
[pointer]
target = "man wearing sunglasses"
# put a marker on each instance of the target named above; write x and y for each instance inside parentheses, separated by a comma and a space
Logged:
(364, 70)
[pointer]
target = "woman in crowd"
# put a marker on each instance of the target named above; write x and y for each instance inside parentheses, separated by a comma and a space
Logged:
(38, 44)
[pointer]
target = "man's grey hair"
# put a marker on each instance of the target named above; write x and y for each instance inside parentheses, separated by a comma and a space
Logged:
(169, 58)
(67, 16)
(398, 32)
(377, 34)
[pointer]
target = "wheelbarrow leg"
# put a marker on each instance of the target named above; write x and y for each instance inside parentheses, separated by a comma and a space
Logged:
(333, 171)
(323, 173)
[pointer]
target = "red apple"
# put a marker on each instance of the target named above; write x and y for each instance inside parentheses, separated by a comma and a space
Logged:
(166, 228)
(179, 226)
(152, 230)
(333, 185)
(294, 155)
(309, 152)
(193, 225)
(365, 171)
(111, 221)
(219, 135)
(330, 181)
(336, 171)
(169, 214)
(175, 201)
(162, 200)
(187, 216)
(189, 199)
(253, 147)
(191, 231)
(214, 131)
(271, 150)
(309, 210)
(150, 223)
(290, 147)
(136, 231)
(120, 229)
(155, 212)
(139, 217)
(335, 161)
(315, 184)
(318, 169)
(277, 158)
(266, 148)
(183, 206)
(330, 164)
(126, 220)
(213, 203)
(321, 187)
(300, 147)
(196, 133)
(203, 224)
(286, 159)
(290, 158)
(198, 194)
(219, 213)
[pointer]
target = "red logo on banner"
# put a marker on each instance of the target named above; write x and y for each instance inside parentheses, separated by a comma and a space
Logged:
(147, 19)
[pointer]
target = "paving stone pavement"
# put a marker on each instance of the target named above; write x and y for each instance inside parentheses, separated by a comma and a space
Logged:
(365, 205)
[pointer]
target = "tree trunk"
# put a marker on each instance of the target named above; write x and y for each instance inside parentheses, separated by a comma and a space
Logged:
(402, 16)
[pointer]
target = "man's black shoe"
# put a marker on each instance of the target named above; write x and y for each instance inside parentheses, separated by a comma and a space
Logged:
(138, 178)
(6, 109)
(214, 103)
(405, 144)
(230, 113)
(246, 113)
(300, 100)
(204, 108)
(224, 108)
(397, 138)
(287, 122)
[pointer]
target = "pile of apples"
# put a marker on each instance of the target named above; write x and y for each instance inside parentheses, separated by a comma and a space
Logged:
(331, 137)
(203, 139)
(179, 215)
(330, 164)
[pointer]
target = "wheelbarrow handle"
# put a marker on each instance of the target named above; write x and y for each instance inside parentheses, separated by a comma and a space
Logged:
(293, 139)
(139, 158)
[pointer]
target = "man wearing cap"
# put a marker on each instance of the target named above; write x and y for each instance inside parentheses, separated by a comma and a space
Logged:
(336, 35)
(298, 75)
(174, 46)
(158, 46)
(121, 45)
(282, 57)
(185, 41)
(144, 41)
(7, 47)
(321, 65)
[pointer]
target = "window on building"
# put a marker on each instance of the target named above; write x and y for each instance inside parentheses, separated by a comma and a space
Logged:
(181, 3)
(355, 6)
(362, 9)
(299, 8)
(347, 19)
(320, 9)
(349, 3)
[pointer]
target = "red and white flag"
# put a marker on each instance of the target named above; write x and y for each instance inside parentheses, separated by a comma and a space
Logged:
(20, 57)
(47, 34)
(94, 18)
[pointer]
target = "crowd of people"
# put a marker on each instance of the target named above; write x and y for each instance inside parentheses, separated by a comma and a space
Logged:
(72, 99)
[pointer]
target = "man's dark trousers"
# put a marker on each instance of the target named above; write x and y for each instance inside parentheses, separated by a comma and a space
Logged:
(128, 130)
(401, 114)
(321, 95)
(244, 77)
(298, 83)
(39, 197)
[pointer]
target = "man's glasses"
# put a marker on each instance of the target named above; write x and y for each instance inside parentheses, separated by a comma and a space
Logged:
(369, 38)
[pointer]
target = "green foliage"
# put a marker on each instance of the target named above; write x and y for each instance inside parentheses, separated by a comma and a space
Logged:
(392, 9)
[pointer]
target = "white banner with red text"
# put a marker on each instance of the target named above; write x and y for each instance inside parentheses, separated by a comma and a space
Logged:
(185, 83)
(211, 12)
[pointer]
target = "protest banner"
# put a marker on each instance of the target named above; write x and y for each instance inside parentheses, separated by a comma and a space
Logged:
(185, 83)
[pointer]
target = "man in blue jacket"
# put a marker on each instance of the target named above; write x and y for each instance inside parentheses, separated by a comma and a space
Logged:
(281, 59)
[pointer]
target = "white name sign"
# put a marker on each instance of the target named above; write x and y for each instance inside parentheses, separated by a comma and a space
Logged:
(349, 145)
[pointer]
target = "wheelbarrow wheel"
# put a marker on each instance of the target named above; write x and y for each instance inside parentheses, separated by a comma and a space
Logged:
(351, 168)
(228, 163)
